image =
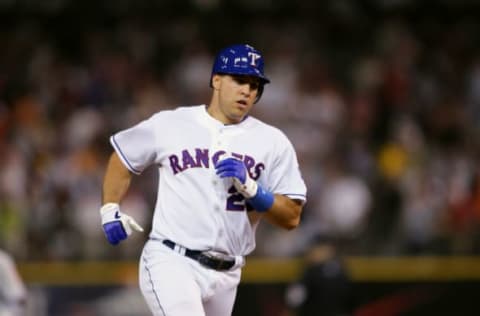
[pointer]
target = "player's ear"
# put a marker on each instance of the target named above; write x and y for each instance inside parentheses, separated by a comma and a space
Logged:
(216, 79)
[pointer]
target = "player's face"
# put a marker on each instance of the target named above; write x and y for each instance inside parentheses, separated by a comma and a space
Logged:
(235, 97)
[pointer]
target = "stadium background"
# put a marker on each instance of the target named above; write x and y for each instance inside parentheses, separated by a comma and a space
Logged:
(381, 99)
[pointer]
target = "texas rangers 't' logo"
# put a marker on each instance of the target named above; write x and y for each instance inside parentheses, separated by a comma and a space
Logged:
(254, 57)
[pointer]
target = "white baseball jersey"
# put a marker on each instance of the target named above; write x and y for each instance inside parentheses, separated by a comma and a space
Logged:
(195, 207)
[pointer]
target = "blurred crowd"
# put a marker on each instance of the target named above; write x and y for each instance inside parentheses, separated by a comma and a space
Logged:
(384, 114)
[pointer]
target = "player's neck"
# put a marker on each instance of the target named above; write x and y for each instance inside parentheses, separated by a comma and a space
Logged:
(218, 115)
(214, 111)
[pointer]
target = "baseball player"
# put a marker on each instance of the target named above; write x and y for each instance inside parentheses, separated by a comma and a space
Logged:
(221, 171)
(13, 294)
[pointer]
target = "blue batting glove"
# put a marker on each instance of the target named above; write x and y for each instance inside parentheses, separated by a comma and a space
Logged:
(261, 199)
(232, 168)
(117, 226)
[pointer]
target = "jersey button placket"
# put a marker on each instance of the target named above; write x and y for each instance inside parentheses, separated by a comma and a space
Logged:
(217, 143)
(221, 135)
(217, 140)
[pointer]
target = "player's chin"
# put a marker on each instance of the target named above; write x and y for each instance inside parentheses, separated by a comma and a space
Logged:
(237, 116)
(242, 107)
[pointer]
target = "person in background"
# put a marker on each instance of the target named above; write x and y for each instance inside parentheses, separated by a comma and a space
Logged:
(13, 293)
(324, 287)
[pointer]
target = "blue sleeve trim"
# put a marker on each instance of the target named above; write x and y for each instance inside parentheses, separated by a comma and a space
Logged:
(124, 158)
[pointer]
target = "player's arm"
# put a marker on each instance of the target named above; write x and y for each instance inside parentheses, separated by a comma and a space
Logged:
(116, 225)
(116, 180)
(284, 212)
(279, 209)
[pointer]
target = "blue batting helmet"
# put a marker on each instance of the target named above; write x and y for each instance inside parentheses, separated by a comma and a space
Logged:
(240, 59)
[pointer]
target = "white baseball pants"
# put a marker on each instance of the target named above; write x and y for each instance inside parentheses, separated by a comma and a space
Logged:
(175, 285)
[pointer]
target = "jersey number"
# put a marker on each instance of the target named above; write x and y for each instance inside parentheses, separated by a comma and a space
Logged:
(236, 201)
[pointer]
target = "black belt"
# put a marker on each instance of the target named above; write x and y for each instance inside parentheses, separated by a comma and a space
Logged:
(204, 259)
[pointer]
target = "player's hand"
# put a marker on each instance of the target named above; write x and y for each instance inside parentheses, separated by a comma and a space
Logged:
(117, 225)
(235, 169)
(261, 199)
